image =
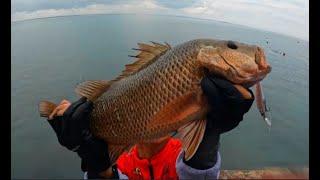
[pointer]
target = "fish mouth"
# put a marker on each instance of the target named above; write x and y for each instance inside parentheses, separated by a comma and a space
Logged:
(263, 69)
(235, 77)
(242, 76)
(248, 80)
(252, 80)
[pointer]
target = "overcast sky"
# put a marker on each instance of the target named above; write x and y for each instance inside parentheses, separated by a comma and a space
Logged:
(290, 17)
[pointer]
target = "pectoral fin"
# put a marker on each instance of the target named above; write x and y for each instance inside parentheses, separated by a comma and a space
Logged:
(190, 111)
(189, 107)
(191, 135)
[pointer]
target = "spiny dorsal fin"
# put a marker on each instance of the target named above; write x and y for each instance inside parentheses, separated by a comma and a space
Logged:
(92, 89)
(148, 53)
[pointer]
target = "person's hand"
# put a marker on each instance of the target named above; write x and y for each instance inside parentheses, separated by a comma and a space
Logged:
(70, 122)
(228, 104)
(71, 125)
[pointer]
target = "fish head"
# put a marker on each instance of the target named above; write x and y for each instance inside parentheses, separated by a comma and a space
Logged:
(237, 62)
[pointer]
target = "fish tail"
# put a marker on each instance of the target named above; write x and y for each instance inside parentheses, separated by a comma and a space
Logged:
(46, 108)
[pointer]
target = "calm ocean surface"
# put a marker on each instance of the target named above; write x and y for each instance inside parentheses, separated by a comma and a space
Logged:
(50, 56)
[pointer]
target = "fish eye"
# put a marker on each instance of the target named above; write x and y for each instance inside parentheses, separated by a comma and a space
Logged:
(232, 45)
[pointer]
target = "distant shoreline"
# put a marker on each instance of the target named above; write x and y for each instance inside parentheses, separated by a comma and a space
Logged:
(178, 16)
(186, 17)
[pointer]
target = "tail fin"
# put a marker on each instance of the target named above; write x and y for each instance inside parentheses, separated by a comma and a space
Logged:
(46, 108)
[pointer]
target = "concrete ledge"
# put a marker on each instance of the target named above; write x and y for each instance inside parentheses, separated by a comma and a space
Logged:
(266, 173)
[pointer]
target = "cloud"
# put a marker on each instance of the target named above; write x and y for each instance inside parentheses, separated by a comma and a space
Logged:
(176, 3)
(289, 17)
(278, 16)
(146, 6)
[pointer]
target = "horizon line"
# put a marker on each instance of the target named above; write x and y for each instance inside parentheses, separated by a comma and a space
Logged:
(170, 15)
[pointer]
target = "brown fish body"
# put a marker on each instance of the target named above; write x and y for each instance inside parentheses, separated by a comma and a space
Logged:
(125, 113)
(160, 93)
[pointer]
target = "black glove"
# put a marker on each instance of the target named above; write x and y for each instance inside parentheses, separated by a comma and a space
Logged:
(227, 104)
(72, 130)
(227, 107)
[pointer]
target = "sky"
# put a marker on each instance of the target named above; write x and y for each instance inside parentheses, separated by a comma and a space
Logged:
(289, 17)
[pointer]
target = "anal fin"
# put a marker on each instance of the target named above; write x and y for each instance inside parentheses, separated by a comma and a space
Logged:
(191, 135)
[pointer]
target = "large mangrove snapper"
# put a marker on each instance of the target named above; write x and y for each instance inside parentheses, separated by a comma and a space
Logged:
(160, 93)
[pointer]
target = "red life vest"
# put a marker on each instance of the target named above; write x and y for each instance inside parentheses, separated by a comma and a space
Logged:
(160, 166)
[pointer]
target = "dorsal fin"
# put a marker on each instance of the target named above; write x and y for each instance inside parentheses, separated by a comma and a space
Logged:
(92, 89)
(148, 53)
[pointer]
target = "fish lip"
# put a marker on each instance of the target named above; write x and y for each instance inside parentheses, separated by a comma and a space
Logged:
(252, 80)
(245, 81)
(248, 81)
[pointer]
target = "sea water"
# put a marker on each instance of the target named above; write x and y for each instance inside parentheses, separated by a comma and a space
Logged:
(50, 56)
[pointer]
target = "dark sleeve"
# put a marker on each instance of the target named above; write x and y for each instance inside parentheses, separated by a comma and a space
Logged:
(94, 157)
(94, 175)
(227, 104)
(206, 154)
(227, 110)
(185, 171)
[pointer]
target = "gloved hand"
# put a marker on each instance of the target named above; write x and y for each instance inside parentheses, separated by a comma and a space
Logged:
(227, 104)
(72, 130)
(227, 107)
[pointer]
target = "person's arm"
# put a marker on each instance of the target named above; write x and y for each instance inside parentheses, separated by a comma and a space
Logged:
(111, 173)
(227, 108)
(71, 125)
